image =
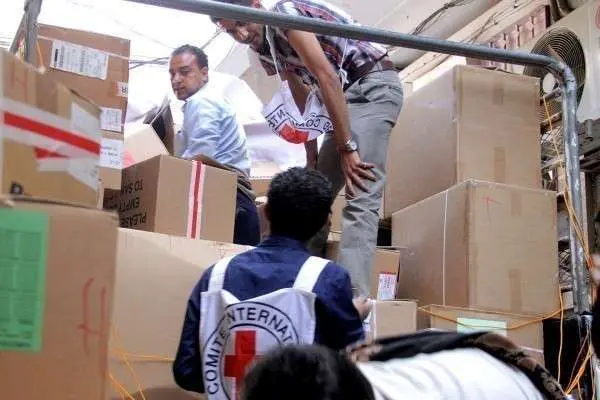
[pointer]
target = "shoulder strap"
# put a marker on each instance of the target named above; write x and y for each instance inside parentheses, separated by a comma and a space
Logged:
(217, 275)
(309, 273)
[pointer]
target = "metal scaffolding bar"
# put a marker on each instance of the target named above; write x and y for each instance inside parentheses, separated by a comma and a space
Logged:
(28, 29)
(567, 81)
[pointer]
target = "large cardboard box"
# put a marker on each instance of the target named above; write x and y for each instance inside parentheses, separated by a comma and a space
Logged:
(391, 318)
(155, 276)
(141, 144)
(49, 137)
(57, 267)
(111, 160)
(523, 330)
(94, 65)
(480, 245)
(178, 197)
(384, 272)
(468, 123)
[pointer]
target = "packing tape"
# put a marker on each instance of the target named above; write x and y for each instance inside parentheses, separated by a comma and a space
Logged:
(59, 144)
(499, 165)
(516, 204)
(444, 247)
(516, 294)
(194, 217)
(498, 90)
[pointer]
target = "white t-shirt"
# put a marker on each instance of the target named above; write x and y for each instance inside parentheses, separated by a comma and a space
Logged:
(462, 374)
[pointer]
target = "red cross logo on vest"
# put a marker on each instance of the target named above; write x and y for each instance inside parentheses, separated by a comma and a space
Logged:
(293, 135)
(245, 352)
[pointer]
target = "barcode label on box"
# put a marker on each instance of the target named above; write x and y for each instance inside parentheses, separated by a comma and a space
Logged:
(111, 153)
(386, 288)
(78, 59)
(110, 119)
(122, 89)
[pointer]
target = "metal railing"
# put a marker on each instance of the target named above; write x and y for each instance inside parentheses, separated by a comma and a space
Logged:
(564, 75)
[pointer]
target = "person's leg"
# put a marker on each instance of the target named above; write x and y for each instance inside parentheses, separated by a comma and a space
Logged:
(247, 225)
(374, 104)
(328, 163)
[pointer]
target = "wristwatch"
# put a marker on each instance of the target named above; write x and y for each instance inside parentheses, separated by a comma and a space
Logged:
(350, 146)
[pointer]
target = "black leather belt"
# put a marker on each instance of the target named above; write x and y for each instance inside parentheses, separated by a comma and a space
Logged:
(383, 64)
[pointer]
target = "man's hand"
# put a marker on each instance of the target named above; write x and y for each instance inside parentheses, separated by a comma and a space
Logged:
(355, 171)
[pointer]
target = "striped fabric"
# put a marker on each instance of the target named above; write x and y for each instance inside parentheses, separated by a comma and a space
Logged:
(358, 54)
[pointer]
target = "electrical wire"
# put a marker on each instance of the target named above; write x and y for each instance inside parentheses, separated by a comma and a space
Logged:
(437, 14)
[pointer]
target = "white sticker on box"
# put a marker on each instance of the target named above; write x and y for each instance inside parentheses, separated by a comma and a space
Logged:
(110, 119)
(79, 60)
(386, 287)
(122, 89)
(85, 170)
(83, 122)
(111, 153)
(468, 325)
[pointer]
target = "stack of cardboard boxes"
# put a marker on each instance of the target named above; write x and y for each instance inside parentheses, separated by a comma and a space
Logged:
(464, 196)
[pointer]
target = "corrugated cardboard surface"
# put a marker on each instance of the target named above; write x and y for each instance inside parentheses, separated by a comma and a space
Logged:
(482, 245)
(523, 330)
(156, 197)
(336, 213)
(384, 272)
(391, 318)
(468, 123)
(260, 186)
(105, 93)
(19, 167)
(154, 266)
(141, 144)
(80, 270)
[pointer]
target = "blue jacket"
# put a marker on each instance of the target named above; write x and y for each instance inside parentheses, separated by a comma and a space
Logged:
(271, 266)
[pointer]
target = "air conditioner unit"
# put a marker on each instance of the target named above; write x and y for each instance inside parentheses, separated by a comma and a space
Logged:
(575, 40)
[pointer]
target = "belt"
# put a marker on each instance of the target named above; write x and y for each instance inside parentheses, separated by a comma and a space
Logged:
(383, 64)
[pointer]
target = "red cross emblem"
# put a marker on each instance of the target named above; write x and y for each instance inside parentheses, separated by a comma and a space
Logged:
(293, 135)
(245, 352)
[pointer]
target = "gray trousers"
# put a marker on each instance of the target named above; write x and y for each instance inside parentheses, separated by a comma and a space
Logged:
(374, 103)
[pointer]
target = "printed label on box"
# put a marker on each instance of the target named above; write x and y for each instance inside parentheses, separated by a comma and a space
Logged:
(122, 89)
(78, 59)
(111, 153)
(466, 325)
(386, 288)
(23, 248)
(110, 119)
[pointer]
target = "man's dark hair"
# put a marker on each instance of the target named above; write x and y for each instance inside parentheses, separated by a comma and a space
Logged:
(201, 57)
(298, 203)
(245, 3)
(305, 372)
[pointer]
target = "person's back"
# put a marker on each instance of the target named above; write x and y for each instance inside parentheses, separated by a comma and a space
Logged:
(275, 294)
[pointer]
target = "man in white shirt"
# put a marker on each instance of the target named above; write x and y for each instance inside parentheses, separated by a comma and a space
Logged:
(210, 128)
(426, 365)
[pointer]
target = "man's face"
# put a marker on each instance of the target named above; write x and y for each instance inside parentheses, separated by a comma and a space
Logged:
(187, 77)
(245, 32)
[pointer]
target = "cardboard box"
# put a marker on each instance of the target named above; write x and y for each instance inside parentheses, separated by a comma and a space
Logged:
(481, 245)
(151, 265)
(336, 213)
(469, 123)
(384, 274)
(111, 160)
(525, 331)
(94, 65)
(178, 197)
(391, 318)
(260, 186)
(49, 137)
(265, 226)
(57, 267)
(141, 144)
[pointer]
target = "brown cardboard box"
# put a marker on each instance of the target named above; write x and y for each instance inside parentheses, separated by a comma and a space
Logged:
(111, 160)
(151, 265)
(49, 137)
(384, 275)
(336, 213)
(141, 144)
(480, 245)
(260, 185)
(94, 65)
(265, 227)
(390, 318)
(178, 197)
(57, 266)
(523, 330)
(469, 123)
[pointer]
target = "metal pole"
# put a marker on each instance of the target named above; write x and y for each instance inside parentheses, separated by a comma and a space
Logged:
(32, 11)
(561, 71)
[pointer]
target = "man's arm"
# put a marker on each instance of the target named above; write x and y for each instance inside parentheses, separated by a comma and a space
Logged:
(203, 123)
(312, 56)
(187, 367)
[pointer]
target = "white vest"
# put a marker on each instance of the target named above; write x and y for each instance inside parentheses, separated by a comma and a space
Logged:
(233, 333)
